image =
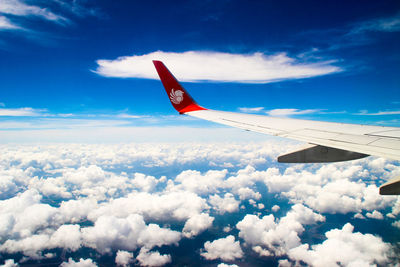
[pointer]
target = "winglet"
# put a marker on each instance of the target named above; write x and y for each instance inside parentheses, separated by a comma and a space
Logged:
(178, 96)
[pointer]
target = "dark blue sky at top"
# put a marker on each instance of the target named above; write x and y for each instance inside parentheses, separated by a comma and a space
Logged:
(51, 65)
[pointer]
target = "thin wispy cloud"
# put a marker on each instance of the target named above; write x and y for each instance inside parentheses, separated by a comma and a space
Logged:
(389, 24)
(251, 110)
(128, 116)
(286, 112)
(78, 8)
(6, 24)
(351, 35)
(193, 66)
(20, 8)
(17, 15)
(21, 112)
(379, 113)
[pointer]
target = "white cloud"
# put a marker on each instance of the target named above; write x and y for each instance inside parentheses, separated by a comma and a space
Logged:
(247, 193)
(19, 8)
(284, 112)
(389, 24)
(251, 110)
(227, 265)
(6, 24)
(67, 236)
(359, 216)
(31, 246)
(275, 208)
(226, 249)
(196, 182)
(379, 113)
(332, 183)
(123, 258)
(128, 233)
(80, 263)
(78, 8)
(375, 215)
(9, 263)
(143, 182)
(366, 250)
(226, 204)
(197, 224)
(152, 258)
(128, 116)
(176, 205)
(269, 237)
(21, 112)
(216, 66)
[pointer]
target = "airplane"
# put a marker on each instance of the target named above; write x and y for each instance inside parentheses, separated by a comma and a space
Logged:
(329, 141)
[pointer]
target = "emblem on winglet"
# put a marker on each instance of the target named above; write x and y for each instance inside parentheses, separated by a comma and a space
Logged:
(176, 96)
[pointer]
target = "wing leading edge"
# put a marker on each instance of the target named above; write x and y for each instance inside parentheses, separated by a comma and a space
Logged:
(331, 142)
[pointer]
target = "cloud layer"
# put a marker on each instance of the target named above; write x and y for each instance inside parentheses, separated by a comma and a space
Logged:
(216, 66)
(138, 203)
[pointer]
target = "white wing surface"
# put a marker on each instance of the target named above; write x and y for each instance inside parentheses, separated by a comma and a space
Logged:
(371, 140)
(330, 141)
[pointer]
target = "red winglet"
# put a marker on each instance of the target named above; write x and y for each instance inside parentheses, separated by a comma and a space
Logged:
(178, 96)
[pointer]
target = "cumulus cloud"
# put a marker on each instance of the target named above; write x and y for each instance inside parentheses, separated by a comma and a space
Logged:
(227, 265)
(143, 182)
(67, 236)
(375, 215)
(9, 263)
(197, 224)
(269, 237)
(275, 208)
(366, 249)
(176, 205)
(141, 197)
(228, 203)
(226, 249)
(333, 183)
(152, 258)
(216, 66)
(126, 233)
(123, 258)
(199, 183)
(80, 263)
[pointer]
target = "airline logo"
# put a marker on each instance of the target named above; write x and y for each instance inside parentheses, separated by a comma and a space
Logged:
(176, 96)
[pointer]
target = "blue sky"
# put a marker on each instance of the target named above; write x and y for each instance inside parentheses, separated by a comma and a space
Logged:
(50, 52)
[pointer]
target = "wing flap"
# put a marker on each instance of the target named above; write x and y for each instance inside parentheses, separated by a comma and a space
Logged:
(392, 187)
(318, 154)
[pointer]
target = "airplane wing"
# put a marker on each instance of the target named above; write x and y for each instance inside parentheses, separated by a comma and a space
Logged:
(329, 142)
